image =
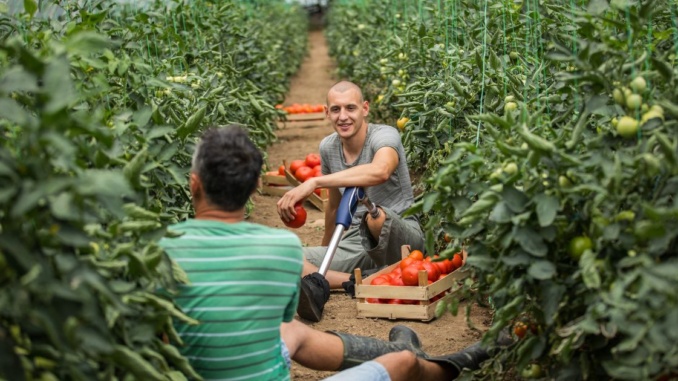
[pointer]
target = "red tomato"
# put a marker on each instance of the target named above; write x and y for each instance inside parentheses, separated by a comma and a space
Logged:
(312, 159)
(442, 267)
(397, 271)
(442, 276)
(395, 301)
(295, 164)
(317, 191)
(381, 280)
(372, 300)
(303, 173)
(416, 254)
(457, 261)
(397, 281)
(432, 271)
(406, 262)
(411, 275)
(300, 219)
(317, 171)
(281, 170)
(449, 267)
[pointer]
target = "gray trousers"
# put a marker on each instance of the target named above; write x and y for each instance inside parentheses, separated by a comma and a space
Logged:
(357, 248)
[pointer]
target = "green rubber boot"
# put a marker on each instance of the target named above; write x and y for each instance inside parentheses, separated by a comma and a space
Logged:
(359, 349)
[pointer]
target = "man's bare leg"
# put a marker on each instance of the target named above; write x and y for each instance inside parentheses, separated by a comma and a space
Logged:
(405, 366)
(312, 348)
(334, 278)
(375, 224)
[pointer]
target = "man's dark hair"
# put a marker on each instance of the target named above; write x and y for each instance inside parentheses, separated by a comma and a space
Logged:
(228, 164)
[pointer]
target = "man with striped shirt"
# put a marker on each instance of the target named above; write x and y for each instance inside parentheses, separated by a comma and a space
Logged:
(244, 277)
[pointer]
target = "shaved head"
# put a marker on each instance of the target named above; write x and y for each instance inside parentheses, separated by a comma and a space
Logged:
(344, 86)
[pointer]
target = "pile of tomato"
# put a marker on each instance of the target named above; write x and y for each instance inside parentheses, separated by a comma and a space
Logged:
(407, 274)
(305, 108)
(303, 170)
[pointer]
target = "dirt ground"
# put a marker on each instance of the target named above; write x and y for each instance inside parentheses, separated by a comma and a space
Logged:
(316, 75)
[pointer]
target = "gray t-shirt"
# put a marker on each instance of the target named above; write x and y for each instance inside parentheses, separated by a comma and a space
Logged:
(396, 193)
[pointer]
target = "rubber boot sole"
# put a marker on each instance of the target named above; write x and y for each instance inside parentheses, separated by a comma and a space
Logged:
(307, 309)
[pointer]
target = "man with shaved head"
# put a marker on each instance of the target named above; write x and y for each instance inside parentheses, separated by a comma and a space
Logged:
(357, 154)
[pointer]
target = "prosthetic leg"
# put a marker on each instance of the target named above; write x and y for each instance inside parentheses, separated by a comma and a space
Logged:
(315, 290)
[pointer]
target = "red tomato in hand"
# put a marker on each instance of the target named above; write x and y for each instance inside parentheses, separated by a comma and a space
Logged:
(303, 173)
(312, 160)
(295, 164)
(300, 218)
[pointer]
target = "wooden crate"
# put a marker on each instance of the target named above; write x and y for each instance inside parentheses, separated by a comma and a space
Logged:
(274, 184)
(424, 310)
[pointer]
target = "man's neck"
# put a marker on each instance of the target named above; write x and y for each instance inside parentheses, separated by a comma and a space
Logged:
(208, 212)
(354, 145)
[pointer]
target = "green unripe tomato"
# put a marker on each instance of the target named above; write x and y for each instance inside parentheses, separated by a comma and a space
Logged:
(634, 101)
(618, 96)
(627, 127)
(564, 182)
(511, 168)
(531, 371)
(509, 98)
(578, 245)
(513, 55)
(510, 106)
(638, 84)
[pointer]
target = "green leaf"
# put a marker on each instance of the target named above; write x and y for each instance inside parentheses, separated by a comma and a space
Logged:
(12, 111)
(587, 263)
(531, 241)
(58, 85)
(501, 213)
(103, 183)
(86, 42)
(547, 208)
(596, 102)
(515, 199)
(30, 6)
(597, 7)
(542, 270)
(551, 295)
(430, 200)
(16, 79)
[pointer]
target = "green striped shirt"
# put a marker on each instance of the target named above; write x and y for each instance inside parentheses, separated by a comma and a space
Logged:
(244, 284)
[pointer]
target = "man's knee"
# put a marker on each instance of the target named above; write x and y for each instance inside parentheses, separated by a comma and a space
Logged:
(376, 224)
(401, 365)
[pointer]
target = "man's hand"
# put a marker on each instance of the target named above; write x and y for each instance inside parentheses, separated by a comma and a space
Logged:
(289, 199)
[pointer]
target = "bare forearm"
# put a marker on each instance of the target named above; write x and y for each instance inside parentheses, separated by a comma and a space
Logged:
(360, 176)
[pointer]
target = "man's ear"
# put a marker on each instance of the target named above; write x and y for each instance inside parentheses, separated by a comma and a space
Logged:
(196, 186)
(366, 107)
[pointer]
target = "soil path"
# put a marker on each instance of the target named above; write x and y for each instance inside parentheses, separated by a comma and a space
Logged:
(316, 75)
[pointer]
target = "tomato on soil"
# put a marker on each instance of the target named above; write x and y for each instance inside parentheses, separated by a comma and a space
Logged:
(299, 219)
